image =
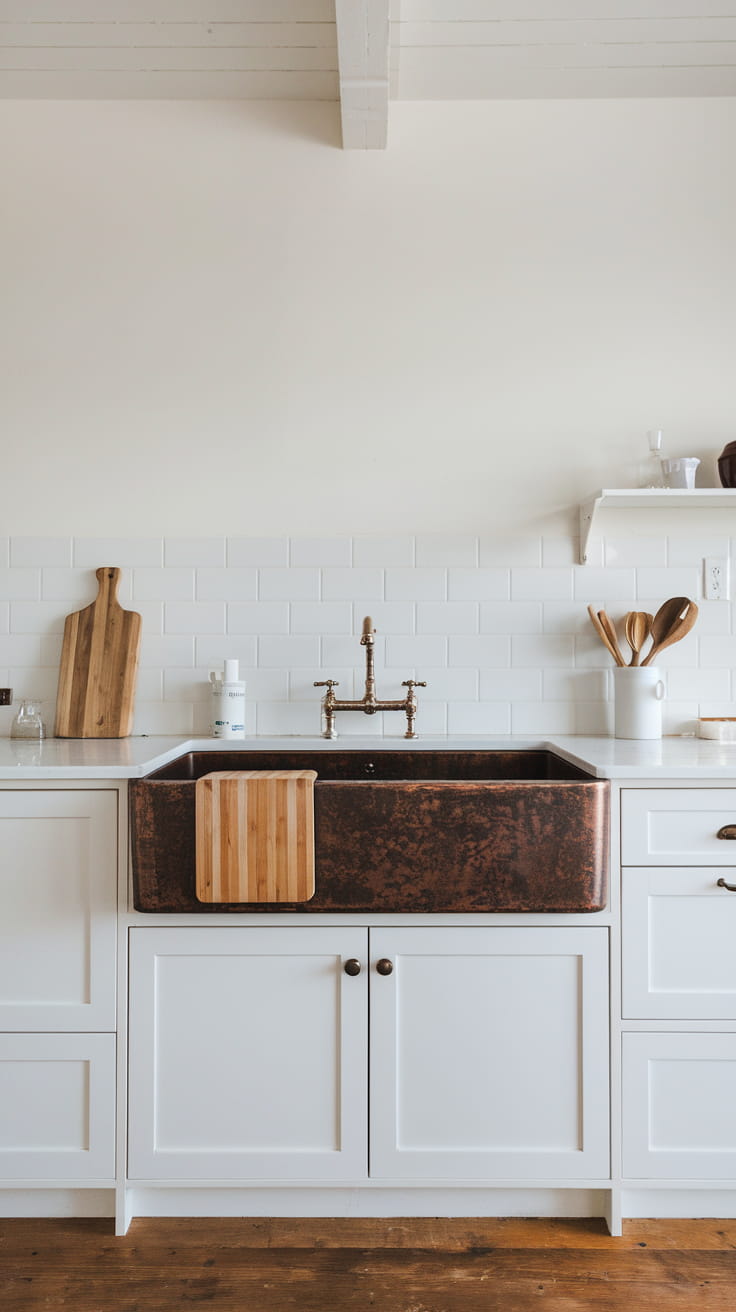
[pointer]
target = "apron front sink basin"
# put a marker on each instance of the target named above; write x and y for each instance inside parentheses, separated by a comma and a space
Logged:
(400, 831)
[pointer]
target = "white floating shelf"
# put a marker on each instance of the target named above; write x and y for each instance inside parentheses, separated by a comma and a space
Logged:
(650, 498)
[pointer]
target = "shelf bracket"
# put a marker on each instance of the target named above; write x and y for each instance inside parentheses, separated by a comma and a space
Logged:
(587, 516)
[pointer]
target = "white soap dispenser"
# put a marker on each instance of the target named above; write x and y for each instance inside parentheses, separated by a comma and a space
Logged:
(228, 702)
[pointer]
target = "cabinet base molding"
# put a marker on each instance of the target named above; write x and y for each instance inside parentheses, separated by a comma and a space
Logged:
(56, 1202)
(679, 1203)
(364, 1202)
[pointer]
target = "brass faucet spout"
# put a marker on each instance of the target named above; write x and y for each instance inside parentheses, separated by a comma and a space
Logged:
(368, 703)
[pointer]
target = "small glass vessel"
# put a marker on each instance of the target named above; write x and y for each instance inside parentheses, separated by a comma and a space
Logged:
(653, 476)
(28, 722)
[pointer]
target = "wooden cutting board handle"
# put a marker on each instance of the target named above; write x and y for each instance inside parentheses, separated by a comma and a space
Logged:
(99, 664)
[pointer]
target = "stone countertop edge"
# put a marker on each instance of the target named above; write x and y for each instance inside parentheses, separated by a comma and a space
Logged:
(132, 758)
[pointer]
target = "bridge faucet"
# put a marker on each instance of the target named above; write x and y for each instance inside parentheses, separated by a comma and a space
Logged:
(368, 703)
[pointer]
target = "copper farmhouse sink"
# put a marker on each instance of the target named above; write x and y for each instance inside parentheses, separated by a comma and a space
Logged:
(401, 831)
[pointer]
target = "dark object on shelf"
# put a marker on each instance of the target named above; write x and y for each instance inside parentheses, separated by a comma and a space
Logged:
(727, 465)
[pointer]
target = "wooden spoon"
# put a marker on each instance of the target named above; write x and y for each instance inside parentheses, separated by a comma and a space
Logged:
(638, 626)
(673, 621)
(595, 621)
(610, 630)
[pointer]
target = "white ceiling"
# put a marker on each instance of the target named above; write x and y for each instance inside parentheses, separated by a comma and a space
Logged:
(366, 52)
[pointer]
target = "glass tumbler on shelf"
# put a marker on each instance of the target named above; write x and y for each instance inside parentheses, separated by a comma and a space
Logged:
(653, 476)
(28, 722)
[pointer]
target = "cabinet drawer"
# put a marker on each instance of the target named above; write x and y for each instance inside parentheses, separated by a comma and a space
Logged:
(679, 1092)
(677, 826)
(57, 1094)
(678, 935)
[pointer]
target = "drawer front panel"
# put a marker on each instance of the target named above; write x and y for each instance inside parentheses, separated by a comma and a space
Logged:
(677, 826)
(679, 1092)
(678, 935)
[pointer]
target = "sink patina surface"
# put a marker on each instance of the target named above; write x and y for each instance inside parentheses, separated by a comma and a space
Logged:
(401, 831)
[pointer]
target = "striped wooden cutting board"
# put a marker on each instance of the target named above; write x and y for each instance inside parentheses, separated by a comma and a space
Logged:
(255, 836)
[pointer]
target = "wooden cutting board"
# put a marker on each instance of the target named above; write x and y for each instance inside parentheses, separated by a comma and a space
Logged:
(99, 664)
(254, 836)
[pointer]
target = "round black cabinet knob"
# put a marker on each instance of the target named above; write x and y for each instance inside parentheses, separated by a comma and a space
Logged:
(352, 966)
(384, 966)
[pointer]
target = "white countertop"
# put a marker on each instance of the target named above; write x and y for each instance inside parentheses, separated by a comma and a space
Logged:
(131, 758)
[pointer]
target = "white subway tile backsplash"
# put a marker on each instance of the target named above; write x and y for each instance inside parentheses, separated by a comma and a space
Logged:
(478, 584)
(199, 553)
(447, 617)
(173, 584)
(441, 551)
(600, 586)
(212, 650)
(20, 584)
(486, 649)
(346, 584)
(620, 552)
(259, 552)
(39, 683)
(446, 685)
(35, 617)
(162, 650)
(258, 616)
(288, 584)
(685, 684)
(194, 617)
(383, 552)
(542, 649)
(507, 685)
(35, 552)
(503, 640)
(541, 584)
(321, 617)
(77, 587)
(122, 552)
(321, 552)
(413, 652)
(478, 717)
(543, 717)
(227, 584)
(286, 652)
(508, 551)
(681, 581)
(415, 584)
(510, 617)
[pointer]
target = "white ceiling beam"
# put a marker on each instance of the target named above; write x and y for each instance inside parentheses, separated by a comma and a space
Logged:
(362, 57)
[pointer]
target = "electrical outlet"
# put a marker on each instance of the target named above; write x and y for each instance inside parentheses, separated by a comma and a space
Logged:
(6, 696)
(716, 582)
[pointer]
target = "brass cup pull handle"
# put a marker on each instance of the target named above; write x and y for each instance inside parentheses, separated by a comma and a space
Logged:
(352, 966)
(384, 966)
(726, 831)
(721, 883)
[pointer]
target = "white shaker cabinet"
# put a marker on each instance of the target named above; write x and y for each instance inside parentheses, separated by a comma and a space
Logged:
(248, 1056)
(58, 899)
(248, 1053)
(679, 977)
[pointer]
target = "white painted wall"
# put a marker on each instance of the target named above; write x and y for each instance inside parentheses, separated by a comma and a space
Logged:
(217, 322)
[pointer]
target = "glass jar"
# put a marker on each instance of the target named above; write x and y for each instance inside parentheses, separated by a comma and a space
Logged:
(28, 722)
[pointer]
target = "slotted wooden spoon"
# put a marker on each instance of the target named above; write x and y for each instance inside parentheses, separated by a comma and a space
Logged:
(673, 621)
(637, 626)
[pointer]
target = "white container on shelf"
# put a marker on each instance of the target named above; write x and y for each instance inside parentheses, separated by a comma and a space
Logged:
(638, 691)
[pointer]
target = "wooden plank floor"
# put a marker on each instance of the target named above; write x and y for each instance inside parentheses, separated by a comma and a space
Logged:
(434, 1265)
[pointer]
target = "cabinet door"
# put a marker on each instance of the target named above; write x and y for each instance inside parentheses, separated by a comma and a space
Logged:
(679, 1094)
(57, 1094)
(247, 1054)
(58, 864)
(489, 1053)
(678, 930)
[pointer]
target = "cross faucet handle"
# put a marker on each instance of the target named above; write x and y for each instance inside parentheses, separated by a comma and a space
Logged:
(326, 683)
(414, 683)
